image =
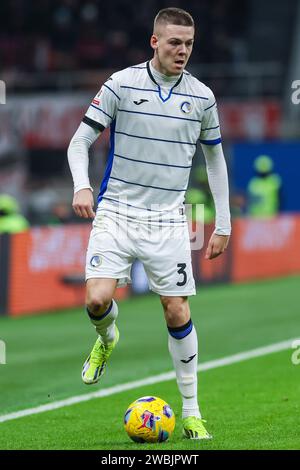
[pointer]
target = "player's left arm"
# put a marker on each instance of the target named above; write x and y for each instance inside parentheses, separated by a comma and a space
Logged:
(218, 183)
(210, 139)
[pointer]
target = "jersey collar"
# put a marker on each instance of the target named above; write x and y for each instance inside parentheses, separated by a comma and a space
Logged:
(154, 81)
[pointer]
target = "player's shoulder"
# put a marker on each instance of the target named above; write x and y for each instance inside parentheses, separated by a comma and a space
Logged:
(198, 87)
(129, 73)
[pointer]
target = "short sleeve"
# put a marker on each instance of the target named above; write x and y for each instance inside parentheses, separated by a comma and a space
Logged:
(102, 110)
(210, 127)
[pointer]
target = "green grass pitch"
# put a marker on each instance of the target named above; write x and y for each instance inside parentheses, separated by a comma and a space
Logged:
(248, 405)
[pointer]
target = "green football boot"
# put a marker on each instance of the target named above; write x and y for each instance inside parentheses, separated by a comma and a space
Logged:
(193, 428)
(95, 364)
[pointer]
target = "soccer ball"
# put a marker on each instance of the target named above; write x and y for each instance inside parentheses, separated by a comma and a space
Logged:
(149, 419)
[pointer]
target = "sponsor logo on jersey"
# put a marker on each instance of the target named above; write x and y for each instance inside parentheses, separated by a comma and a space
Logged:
(140, 101)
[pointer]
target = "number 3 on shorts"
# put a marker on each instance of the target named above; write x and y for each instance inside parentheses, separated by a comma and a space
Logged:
(181, 270)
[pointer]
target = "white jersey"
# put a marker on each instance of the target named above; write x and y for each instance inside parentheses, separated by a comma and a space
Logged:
(153, 137)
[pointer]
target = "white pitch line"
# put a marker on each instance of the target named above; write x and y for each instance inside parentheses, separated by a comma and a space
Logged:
(225, 361)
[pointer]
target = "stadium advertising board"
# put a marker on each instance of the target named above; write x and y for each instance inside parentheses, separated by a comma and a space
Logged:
(211, 271)
(47, 269)
(265, 248)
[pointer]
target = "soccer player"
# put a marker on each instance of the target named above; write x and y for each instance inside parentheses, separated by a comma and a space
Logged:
(157, 112)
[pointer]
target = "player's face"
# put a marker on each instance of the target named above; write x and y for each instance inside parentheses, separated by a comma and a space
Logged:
(172, 46)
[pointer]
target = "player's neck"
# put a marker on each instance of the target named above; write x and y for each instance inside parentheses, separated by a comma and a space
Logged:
(160, 77)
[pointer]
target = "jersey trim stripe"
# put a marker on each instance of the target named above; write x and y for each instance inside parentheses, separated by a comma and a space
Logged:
(210, 106)
(148, 186)
(157, 91)
(152, 163)
(110, 160)
(99, 109)
(211, 142)
(139, 89)
(159, 115)
(94, 124)
(210, 128)
(190, 96)
(142, 68)
(153, 138)
(129, 205)
(106, 86)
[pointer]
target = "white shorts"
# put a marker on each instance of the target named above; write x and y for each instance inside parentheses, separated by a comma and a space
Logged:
(115, 242)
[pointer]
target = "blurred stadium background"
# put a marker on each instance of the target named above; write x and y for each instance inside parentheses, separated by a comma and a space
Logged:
(54, 56)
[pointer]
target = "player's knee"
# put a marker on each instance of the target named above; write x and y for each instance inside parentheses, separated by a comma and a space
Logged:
(97, 303)
(176, 310)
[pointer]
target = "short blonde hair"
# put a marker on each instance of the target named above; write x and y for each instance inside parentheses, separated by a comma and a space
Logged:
(173, 15)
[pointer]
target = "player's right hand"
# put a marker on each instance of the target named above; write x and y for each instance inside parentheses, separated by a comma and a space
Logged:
(83, 203)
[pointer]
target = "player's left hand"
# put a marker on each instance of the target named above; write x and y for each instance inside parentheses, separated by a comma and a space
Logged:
(216, 245)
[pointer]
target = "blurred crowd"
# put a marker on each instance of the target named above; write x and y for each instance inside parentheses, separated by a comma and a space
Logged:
(59, 35)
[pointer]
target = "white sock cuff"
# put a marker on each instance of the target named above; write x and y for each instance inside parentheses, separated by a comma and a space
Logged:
(107, 318)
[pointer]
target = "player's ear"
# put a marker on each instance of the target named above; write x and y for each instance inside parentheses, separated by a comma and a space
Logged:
(154, 41)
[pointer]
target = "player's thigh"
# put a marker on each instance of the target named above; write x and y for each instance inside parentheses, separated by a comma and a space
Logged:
(168, 264)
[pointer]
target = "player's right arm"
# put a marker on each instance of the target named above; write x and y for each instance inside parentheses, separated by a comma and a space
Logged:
(78, 158)
(99, 116)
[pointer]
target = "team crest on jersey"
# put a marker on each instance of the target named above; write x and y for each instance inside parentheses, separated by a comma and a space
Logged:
(186, 107)
(95, 261)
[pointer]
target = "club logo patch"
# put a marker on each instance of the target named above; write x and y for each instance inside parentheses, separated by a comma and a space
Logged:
(186, 107)
(95, 261)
